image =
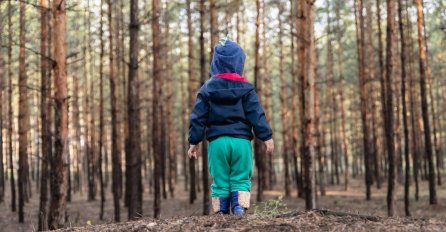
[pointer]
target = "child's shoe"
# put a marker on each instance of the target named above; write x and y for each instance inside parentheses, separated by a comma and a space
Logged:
(220, 205)
(240, 202)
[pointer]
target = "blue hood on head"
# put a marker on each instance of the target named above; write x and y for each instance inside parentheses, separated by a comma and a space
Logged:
(228, 58)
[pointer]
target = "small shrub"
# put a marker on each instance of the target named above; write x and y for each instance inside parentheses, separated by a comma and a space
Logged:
(270, 208)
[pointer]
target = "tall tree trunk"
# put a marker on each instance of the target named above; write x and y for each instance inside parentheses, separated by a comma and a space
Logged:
(59, 160)
(437, 144)
(424, 104)
(403, 97)
(214, 24)
(89, 123)
(269, 171)
(101, 108)
(2, 168)
(170, 121)
(23, 118)
(156, 105)
(284, 108)
(191, 90)
(294, 105)
(389, 117)
(344, 138)
(320, 180)
(307, 77)
(148, 157)
(258, 154)
(10, 110)
(45, 113)
(382, 87)
(363, 72)
(119, 95)
(414, 113)
(133, 157)
(121, 118)
(184, 107)
(330, 96)
(76, 133)
(162, 122)
(116, 142)
(86, 102)
(203, 74)
(333, 144)
(92, 140)
(397, 127)
(369, 60)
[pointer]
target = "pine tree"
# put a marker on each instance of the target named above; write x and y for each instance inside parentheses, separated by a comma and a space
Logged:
(59, 166)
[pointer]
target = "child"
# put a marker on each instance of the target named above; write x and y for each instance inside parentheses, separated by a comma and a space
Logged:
(228, 109)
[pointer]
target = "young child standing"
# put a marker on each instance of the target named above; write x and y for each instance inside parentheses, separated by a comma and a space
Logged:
(227, 110)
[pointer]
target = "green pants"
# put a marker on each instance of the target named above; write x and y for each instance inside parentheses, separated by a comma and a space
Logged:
(230, 165)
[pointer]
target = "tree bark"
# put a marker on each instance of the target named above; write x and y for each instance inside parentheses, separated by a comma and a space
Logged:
(370, 85)
(344, 138)
(403, 97)
(10, 110)
(331, 98)
(116, 142)
(59, 161)
(437, 144)
(389, 117)
(133, 157)
(307, 77)
(320, 180)
(156, 105)
(331, 102)
(424, 104)
(414, 113)
(45, 113)
(92, 140)
(284, 108)
(2, 167)
(184, 124)
(214, 24)
(121, 86)
(23, 118)
(294, 105)
(191, 90)
(203, 75)
(382, 88)
(76, 132)
(269, 170)
(170, 121)
(89, 121)
(258, 154)
(101, 109)
(363, 99)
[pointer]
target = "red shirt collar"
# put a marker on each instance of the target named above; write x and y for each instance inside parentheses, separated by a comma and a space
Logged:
(231, 76)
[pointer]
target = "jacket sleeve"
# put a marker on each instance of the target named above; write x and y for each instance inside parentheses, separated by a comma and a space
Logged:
(256, 116)
(198, 119)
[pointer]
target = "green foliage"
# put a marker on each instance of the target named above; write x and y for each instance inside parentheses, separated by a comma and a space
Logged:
(270, 208)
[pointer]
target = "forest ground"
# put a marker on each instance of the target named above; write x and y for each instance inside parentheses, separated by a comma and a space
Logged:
(178, 214)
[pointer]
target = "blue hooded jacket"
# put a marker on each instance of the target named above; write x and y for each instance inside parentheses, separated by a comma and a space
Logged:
(227, 105)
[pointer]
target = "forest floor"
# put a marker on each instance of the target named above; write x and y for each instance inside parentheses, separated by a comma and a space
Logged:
(276, 214)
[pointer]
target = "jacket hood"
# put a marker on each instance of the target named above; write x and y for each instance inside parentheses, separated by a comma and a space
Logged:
(228, 58)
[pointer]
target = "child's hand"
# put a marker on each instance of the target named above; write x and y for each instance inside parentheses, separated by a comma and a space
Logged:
(269, 146)
(193, 151)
